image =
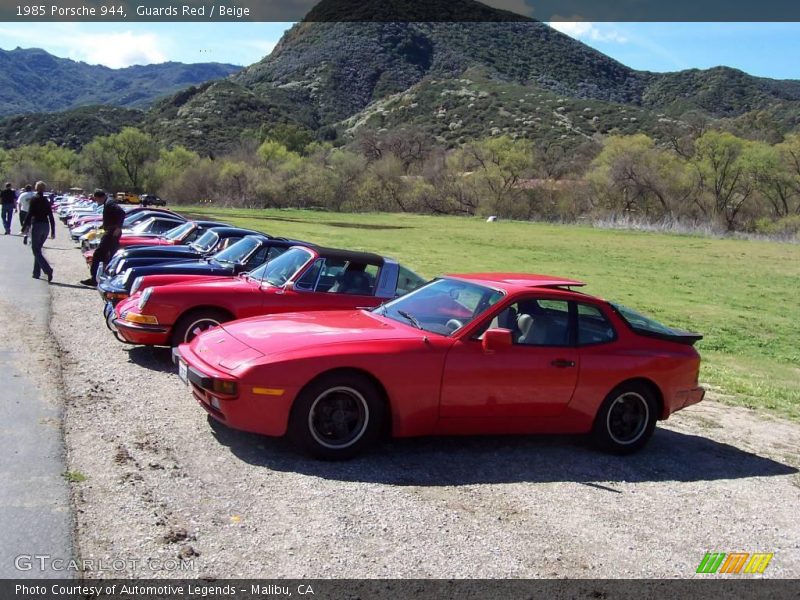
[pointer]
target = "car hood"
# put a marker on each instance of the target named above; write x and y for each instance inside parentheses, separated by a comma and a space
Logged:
(166, 251)
(199, 267)
(143, 240)
(290, 332)
(225, 283)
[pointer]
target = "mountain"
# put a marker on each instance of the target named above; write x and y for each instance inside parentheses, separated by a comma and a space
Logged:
(457, 81)
(71, 128)
(462, 80)
(32, 80)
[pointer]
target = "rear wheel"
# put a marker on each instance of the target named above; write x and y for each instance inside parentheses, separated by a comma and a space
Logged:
(196, 322)
(626, 419)
(337, 417)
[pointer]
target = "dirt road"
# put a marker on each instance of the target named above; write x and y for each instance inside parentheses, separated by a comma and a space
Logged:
(161, 480)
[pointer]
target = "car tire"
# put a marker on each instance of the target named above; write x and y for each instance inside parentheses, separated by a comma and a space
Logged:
(626, 419)
(337, 417)
(194, 322)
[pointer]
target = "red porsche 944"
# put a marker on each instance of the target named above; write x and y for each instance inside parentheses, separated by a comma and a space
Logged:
(494, 353)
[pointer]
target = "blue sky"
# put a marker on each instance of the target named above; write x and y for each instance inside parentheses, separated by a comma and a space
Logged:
(765, 49)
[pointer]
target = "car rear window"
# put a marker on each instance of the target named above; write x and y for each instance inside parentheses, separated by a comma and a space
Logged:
(640, 322)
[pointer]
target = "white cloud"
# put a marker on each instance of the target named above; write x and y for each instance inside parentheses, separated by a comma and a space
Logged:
(586, 30)
(118, 50)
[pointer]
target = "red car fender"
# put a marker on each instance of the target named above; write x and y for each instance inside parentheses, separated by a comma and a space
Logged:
(159, 280)
(663, 367)
(172, 299)
(413, 401)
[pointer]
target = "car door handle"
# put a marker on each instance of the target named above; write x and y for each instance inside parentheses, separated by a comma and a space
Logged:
(562, 363)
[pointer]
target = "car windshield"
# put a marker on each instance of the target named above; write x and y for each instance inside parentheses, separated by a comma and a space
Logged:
(640, 322)
(281, 269)
(442, 306)
(205, 242)
(144, 226)
(131, 220)
(179, 232)
(238, 252)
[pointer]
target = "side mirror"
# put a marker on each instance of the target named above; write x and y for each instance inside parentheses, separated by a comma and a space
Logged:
(496, 339)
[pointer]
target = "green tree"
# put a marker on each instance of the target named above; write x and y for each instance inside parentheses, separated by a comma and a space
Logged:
(724, 165)
(53, 164)
(632, 176)
(98, 161)
(234, 181)
(789, 154)
(273, 154)
(498, 167)
(134, 150)
(348, 169)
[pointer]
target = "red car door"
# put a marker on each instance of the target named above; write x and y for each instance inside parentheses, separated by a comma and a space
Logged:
(534, 377)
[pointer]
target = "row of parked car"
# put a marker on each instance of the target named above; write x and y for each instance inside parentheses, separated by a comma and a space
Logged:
(335, 348)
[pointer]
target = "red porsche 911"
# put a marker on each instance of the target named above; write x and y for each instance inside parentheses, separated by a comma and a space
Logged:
(486, 353)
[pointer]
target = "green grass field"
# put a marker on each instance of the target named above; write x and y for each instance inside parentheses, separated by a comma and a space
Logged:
(743, 296)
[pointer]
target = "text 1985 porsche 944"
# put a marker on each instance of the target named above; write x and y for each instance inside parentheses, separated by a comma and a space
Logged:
(467, 354)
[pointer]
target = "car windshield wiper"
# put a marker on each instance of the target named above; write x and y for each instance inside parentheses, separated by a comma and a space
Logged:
(410, 317)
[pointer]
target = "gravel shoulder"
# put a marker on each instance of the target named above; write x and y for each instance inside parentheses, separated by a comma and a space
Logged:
(162, 481)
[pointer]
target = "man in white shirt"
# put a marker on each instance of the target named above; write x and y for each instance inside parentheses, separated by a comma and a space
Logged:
(24, 205)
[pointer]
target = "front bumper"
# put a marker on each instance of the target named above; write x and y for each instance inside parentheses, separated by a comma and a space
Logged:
(265, 415)
(110, 293)
(143, 335)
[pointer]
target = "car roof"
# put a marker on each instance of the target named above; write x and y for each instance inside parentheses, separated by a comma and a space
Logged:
(227, 231)
(348, 255)
(211, 224)
(517, 280)
(279, 240)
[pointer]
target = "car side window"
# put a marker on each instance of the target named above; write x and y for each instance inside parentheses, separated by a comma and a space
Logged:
(310, 281)
(162, 226)
(264, 254)
(593, 326)
(258, 257)
(227, 243)
(353, 278)
(407, 281)
(535, 322)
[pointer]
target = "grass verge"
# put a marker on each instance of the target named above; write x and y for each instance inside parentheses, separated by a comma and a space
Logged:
(743, 296)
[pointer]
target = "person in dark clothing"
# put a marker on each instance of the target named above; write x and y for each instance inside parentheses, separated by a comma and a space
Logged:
(113, 215)
(38, 223)
(9, 199)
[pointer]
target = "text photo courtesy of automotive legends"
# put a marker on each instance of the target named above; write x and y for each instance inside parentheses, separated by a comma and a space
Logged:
(399, 301)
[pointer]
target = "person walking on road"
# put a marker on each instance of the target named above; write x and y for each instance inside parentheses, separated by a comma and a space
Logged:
(37, 224)
(113, 215)
(9, 199)
(24, 205)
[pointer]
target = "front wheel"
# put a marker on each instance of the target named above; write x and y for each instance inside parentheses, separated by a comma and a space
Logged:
(337, 417)
(194, 323)
(626, 419)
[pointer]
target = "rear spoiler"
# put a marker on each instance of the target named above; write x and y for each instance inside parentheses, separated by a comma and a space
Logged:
(678, 336)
